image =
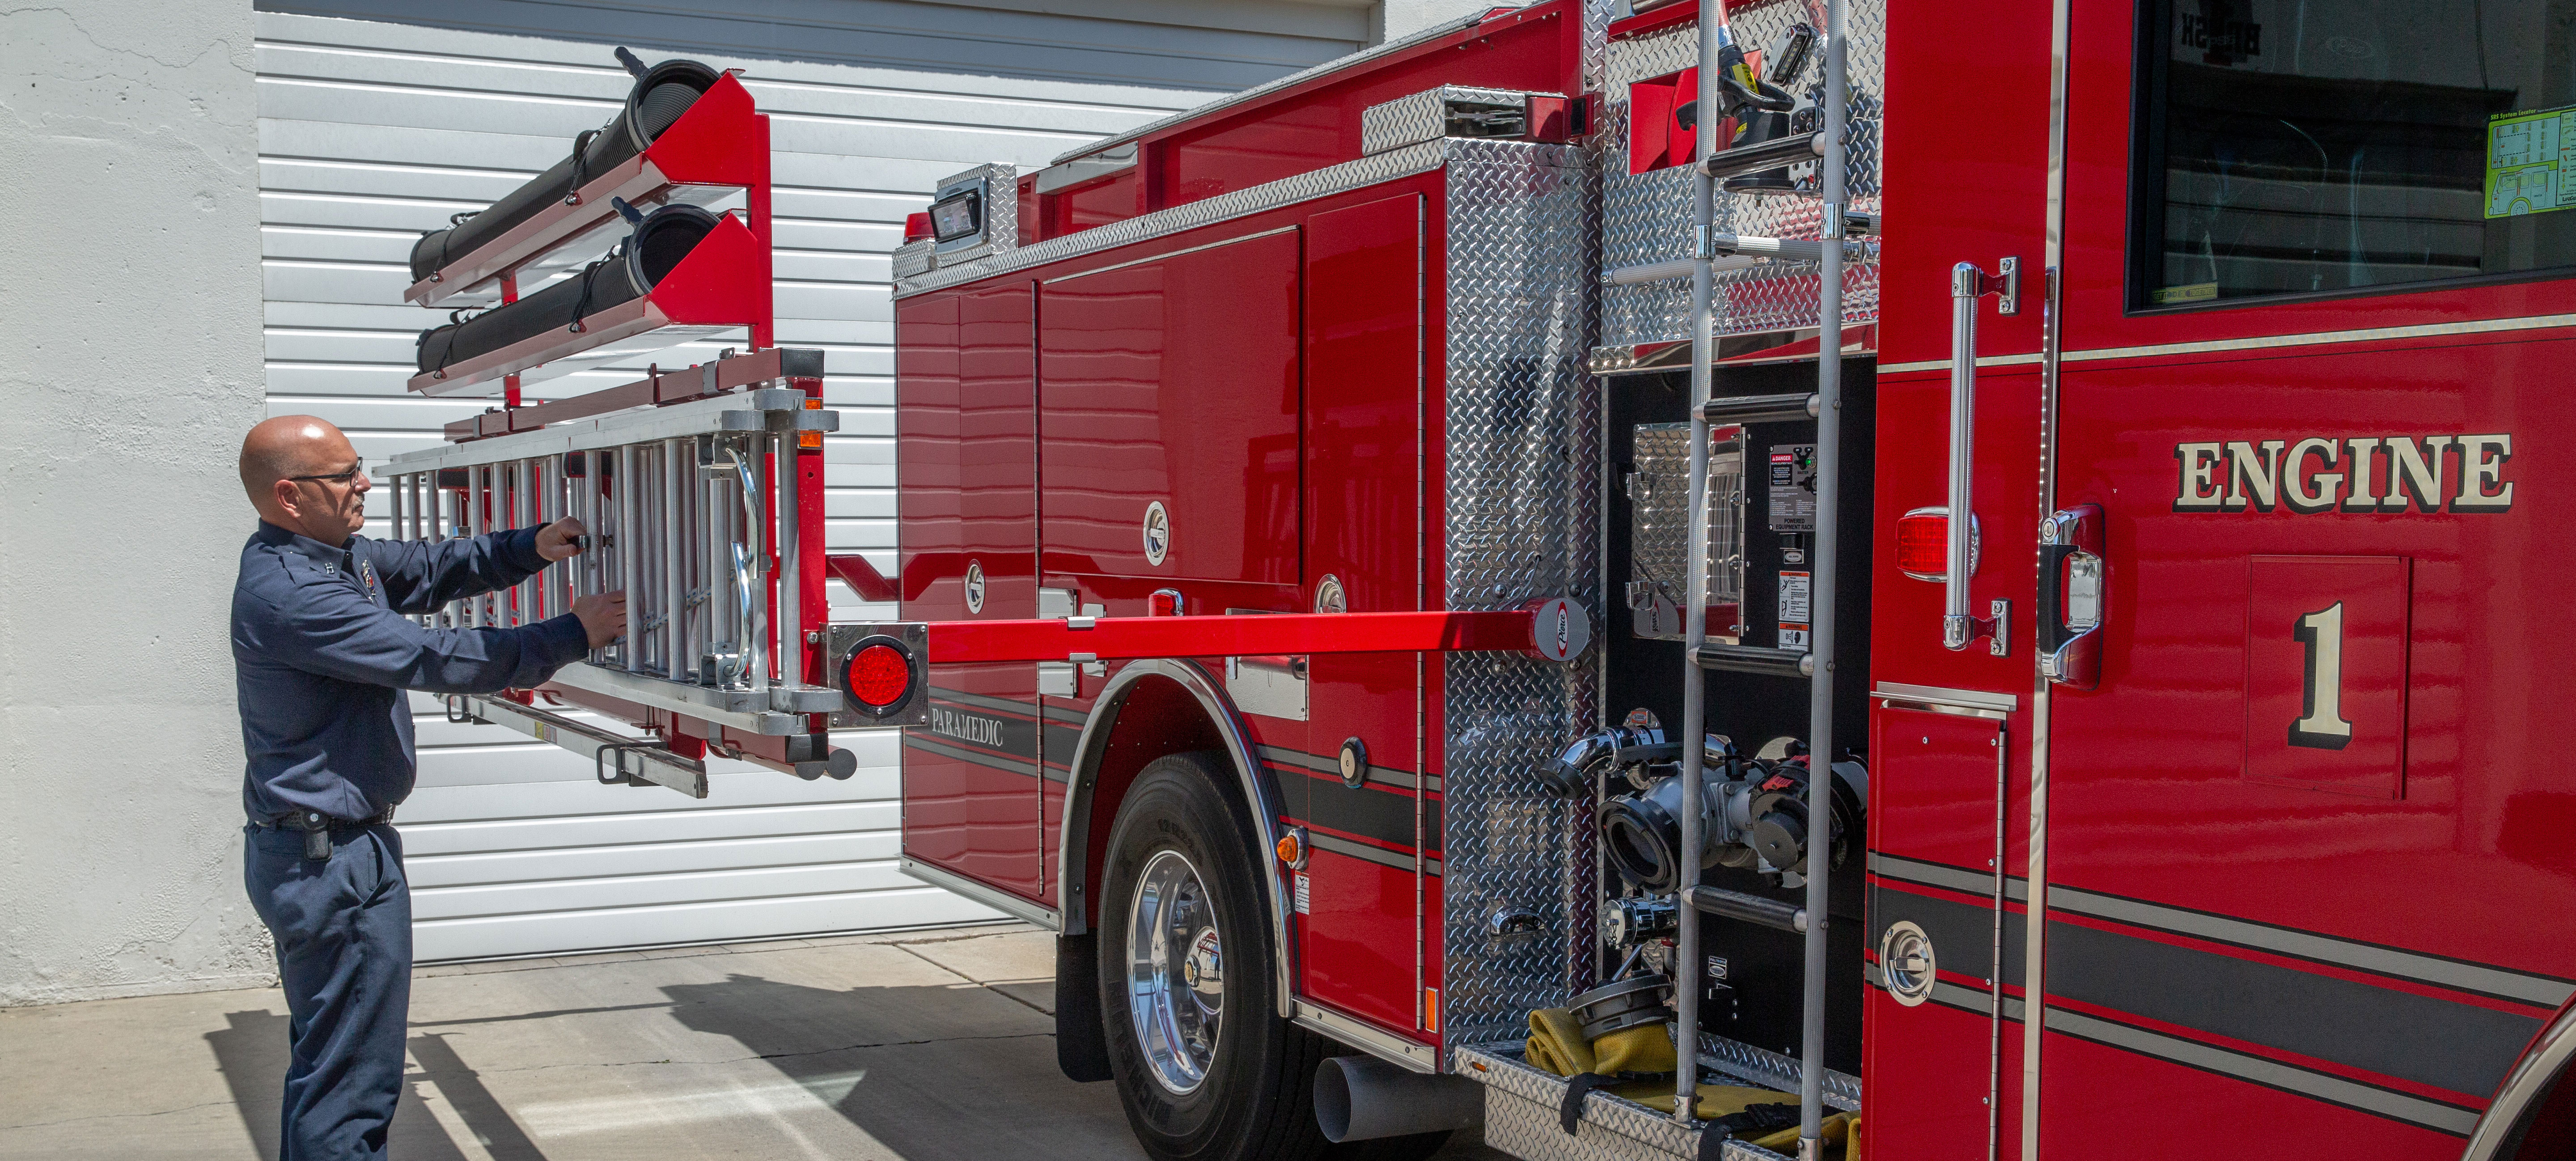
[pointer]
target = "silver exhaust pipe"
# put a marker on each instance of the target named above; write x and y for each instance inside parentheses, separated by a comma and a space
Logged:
(1363, 1098)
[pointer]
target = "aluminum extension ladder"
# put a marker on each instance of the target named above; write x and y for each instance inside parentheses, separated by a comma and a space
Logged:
(686, 511)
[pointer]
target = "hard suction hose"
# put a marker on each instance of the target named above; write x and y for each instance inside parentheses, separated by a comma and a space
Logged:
(660, 240)
(659, 96)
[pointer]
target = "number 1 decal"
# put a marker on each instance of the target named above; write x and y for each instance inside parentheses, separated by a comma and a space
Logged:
(2320, 725)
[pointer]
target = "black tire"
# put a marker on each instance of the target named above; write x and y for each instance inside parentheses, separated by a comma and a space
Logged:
(1257, 1100)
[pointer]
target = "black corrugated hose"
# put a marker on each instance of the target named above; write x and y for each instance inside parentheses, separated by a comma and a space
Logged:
(660, 95)
(658, 243)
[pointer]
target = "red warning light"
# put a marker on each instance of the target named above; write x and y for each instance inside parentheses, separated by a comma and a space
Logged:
(880, 676)
(1923, 544)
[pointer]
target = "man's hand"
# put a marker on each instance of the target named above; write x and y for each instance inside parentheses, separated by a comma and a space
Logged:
(603, 615)
(560, 540)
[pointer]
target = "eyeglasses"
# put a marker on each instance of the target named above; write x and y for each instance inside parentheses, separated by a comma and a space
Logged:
(356, 470)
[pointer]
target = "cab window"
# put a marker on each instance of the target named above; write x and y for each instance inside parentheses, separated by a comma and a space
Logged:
(2325, 147)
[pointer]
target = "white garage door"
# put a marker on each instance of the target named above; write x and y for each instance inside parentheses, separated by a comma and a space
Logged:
(371, 132)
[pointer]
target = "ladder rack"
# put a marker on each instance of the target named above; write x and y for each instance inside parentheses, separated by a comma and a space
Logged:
(692, 518)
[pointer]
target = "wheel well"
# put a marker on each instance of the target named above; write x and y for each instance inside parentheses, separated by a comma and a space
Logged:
(1155, 716)
(2549, 1128)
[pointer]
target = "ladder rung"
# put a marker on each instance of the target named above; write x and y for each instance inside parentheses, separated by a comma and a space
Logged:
(1749, 908)
(1752, 659)
(1761, 408)
(1768, 155)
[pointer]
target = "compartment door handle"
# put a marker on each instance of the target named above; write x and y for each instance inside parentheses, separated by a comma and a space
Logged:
(1968, 283)
(2074, 590)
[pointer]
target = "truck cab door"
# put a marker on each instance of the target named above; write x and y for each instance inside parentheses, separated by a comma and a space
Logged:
(1941, 1051)
(2297, 655)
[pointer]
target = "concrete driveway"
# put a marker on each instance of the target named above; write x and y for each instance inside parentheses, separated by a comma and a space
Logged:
(923, 1045)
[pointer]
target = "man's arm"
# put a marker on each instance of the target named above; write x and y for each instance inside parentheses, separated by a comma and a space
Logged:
(333, 630)
(420, 576)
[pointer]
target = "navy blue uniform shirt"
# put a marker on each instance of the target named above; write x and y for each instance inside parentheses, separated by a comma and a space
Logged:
(322, 655)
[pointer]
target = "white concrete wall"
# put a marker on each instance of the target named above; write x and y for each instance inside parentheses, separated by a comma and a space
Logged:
(129, 368)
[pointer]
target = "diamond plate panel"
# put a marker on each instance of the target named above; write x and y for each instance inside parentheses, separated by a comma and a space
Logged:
(1521, 1117)
(1522, 523)
(1423, 116)
(1001, 213)
(913, 258)
(1647, 217)
(1773, 1070)
(1659, 530)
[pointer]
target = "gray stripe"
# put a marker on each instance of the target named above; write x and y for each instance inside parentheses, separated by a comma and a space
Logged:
(1383, 858)
(2445, 1043)
(1384, 775)
(2397, 1106)
(1951, 878)
(1962, 934)
(978, 757)
(1063, 716)
(2467, 977)
(2273, 1073)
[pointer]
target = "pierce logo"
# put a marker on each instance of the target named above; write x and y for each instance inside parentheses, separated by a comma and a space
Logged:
(2311, 474)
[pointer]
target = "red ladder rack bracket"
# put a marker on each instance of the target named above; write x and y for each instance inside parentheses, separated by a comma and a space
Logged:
(719, 146)
(1555, 630)
(863, 578)
(713, 291)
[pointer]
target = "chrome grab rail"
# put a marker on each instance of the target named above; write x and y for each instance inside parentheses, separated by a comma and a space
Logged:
(1968, 283)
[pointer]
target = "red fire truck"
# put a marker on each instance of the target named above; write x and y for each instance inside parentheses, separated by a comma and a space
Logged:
(1714, 516)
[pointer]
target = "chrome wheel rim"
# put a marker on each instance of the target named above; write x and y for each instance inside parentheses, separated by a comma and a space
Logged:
(1175, 972)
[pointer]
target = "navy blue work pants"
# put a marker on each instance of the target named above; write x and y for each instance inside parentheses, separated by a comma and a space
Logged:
(343, 933)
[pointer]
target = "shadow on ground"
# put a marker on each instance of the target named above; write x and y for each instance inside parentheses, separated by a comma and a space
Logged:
(251, 1052)
(933, 1073)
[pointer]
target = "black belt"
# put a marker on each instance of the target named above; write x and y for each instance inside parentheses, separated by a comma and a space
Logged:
(318, 827)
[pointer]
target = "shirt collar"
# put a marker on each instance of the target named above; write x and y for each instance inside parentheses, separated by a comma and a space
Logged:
(300, 544)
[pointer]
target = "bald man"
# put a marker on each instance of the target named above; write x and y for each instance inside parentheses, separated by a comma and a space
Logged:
(322, 655)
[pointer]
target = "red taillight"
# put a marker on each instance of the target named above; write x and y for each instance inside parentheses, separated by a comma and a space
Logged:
(880, 676)
(1923, 544)
(917, 226)
(1163, 603)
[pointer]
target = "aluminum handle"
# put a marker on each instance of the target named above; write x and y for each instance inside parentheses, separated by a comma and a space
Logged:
(675, 592)
(474, 526)
(754, 555)
(629, 556)
(1960, 628)
(791, 561)
(523, 491)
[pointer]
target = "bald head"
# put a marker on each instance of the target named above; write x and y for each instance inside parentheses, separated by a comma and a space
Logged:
(284, 447)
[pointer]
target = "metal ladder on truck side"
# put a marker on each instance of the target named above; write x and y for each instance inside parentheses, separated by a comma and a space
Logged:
(685, 504)
(1816, 665)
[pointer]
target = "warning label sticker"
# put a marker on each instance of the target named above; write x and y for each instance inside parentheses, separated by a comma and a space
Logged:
(1796, 603)
(2531, 162)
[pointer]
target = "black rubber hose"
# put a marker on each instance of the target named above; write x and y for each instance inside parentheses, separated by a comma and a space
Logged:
(659, 97)
(665, 236)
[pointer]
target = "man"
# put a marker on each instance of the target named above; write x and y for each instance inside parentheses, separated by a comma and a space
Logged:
(322, 655)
